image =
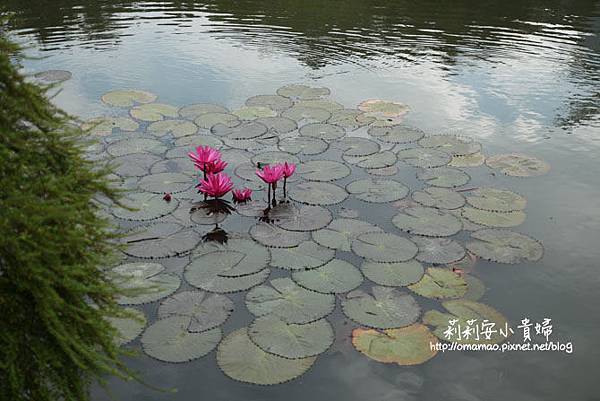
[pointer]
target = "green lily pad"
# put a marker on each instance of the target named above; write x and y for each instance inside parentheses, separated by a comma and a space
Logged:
(518, 165)
(169, 340)
(427, 221)
(204, 311)
(160, 240)
(105, 126)
(276, 237)
(504, 246)
(302, 92)
(136, 145)
(177, 128)
(383, 110)
(194, 111)
(153, 112)
(166, 182)
(306, 114)
(425, 158)
(397, 133)
(255, 145)
(383, 172)
(303, 218)
(182, 165)
(438, 250)
(494, 219)
(336, 276)
(288, 301)
(128, 328)
(148, 281)
(440, 283)
(209, 120)
(292, 341)
(147, 206)
(127, 98)
(307, 255)
(340, 233)
(278, 125)
(303, 145)
(204, 272)
(440, 198)
(318, 193)
(385, 308)
(475, 288)
(327, 132)
(275, 157)
(186, 144)
(411, 345)
(445, 177)
(463, 310)
(234, 157)
(377, 190)
(356, 146)
(203, 216)
(472, 160)
(496, 200)
(242, 360)
(397, 274)
(247, 172)
(376, 160)
(238, 256)
(134, 164)
(384, 247)
(246, 130)
(347, 118)
(454, 145)
(274, 102)
(324, 104)
(254, 112)
(323, 170)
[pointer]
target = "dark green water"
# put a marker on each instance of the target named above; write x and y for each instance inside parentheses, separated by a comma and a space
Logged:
(518, 76)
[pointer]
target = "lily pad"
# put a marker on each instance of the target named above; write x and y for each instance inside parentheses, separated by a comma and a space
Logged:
(385, 308)
(383, 172)
(148, 282)
(303, 218)
(454, 145)
(438, 250)
(275, 157)
(276, 237)
(246, 130)
(427, 221)
(254, 112)
(384, 247)
(340, 233)
(292, 341)
(153, 111)
(181, 165)
(104, 126)
(177, 128)
(336, 276)
(205, 216)
(356, 146)
(288, 301)
(128, 328)
(169, 340)
(475, 288)
(383, 110)
(52, 76)
(318, 193)
(504, 246)
(127, 98)
(278, 125)
(306, 114)
(324, 104)
(472, 160)
(323, 170)
(166, 182)
(494, 219)
(148, 206)
(242, 360)
(234, 157)
(411, 345)
(209, 120)
(303, 145)
(204, 311)
(440, 198)
(302, 92)
(186, 144)
(274, 102)
(194, 111)
(440, 283)
(136, 145)
(307, 255)
(496, 200)
(397, 274)
(204, 272)
(347, 118)
(396, 133)
(377, 190)
(445, 177)
(134, 164)
(238, 256)
(376, 160)
(518, 165)
(425, 158)
(327, 132)
(160, 240)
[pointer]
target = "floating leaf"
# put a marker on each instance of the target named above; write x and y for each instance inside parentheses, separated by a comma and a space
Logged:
(376, 160)
(440, 283)
(425, 158)
(186, 144)
(153, 111)
(209, 120)
(473, 160)
(377, 190)
(205, 216)
(148, 281)
(302, 92)
(236, 257)
(166, 182)
(475, 288)
(278, 125)
(254, 112)
(160, 240)
(504, 246)
(427, 221)
(397, 274)
(288, 301)
(384, 247)
(323, 170)
(241, 360)
(445, 177)
(340, 233)
(246, 130)
(134, 164)
(292, 341)
(318, 193)
(303, 145)
(397, 133)
(52, 76)
(494, 219)
(307, 255)
(275, 157)
(385, 308)
(274, 102)
(385, 171)
(204, 272)
(356, 146)
(276, 237)
(336, 276)
(194, 111)
(204, 311)
(454, 145)
(181, 165)
(389, 112)
(303, 218)
(324, 104)
(347, 118)
(441, 198)
(136, 145)
(234, 157)
(438, 250)
(127, 98)
(169, 340)
(327, 132)
(411, 345)
(518, 165)
(307, 114)
(496, 200)
(104, 126)
(128, 328)
(177, 128)
(147, 206)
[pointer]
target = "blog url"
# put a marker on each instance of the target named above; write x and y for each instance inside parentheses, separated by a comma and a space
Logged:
(551, 346)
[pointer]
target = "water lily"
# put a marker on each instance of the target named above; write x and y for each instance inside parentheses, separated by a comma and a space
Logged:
(242, 195)
(204, 155)
(288, 171)
(215, 185)
(212, 167)
(271, 175)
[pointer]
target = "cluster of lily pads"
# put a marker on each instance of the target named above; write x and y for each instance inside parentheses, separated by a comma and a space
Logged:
(299, 260)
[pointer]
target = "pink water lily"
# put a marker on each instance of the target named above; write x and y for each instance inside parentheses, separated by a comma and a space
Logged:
(213, 167)
(242, 195)
(204, 155)
(215, 185)
(269, 174)
(288, 169)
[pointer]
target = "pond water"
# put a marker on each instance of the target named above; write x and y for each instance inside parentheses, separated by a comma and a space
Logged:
(518, 76)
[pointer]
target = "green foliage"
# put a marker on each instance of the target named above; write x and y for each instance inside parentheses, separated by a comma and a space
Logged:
(54, 298)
